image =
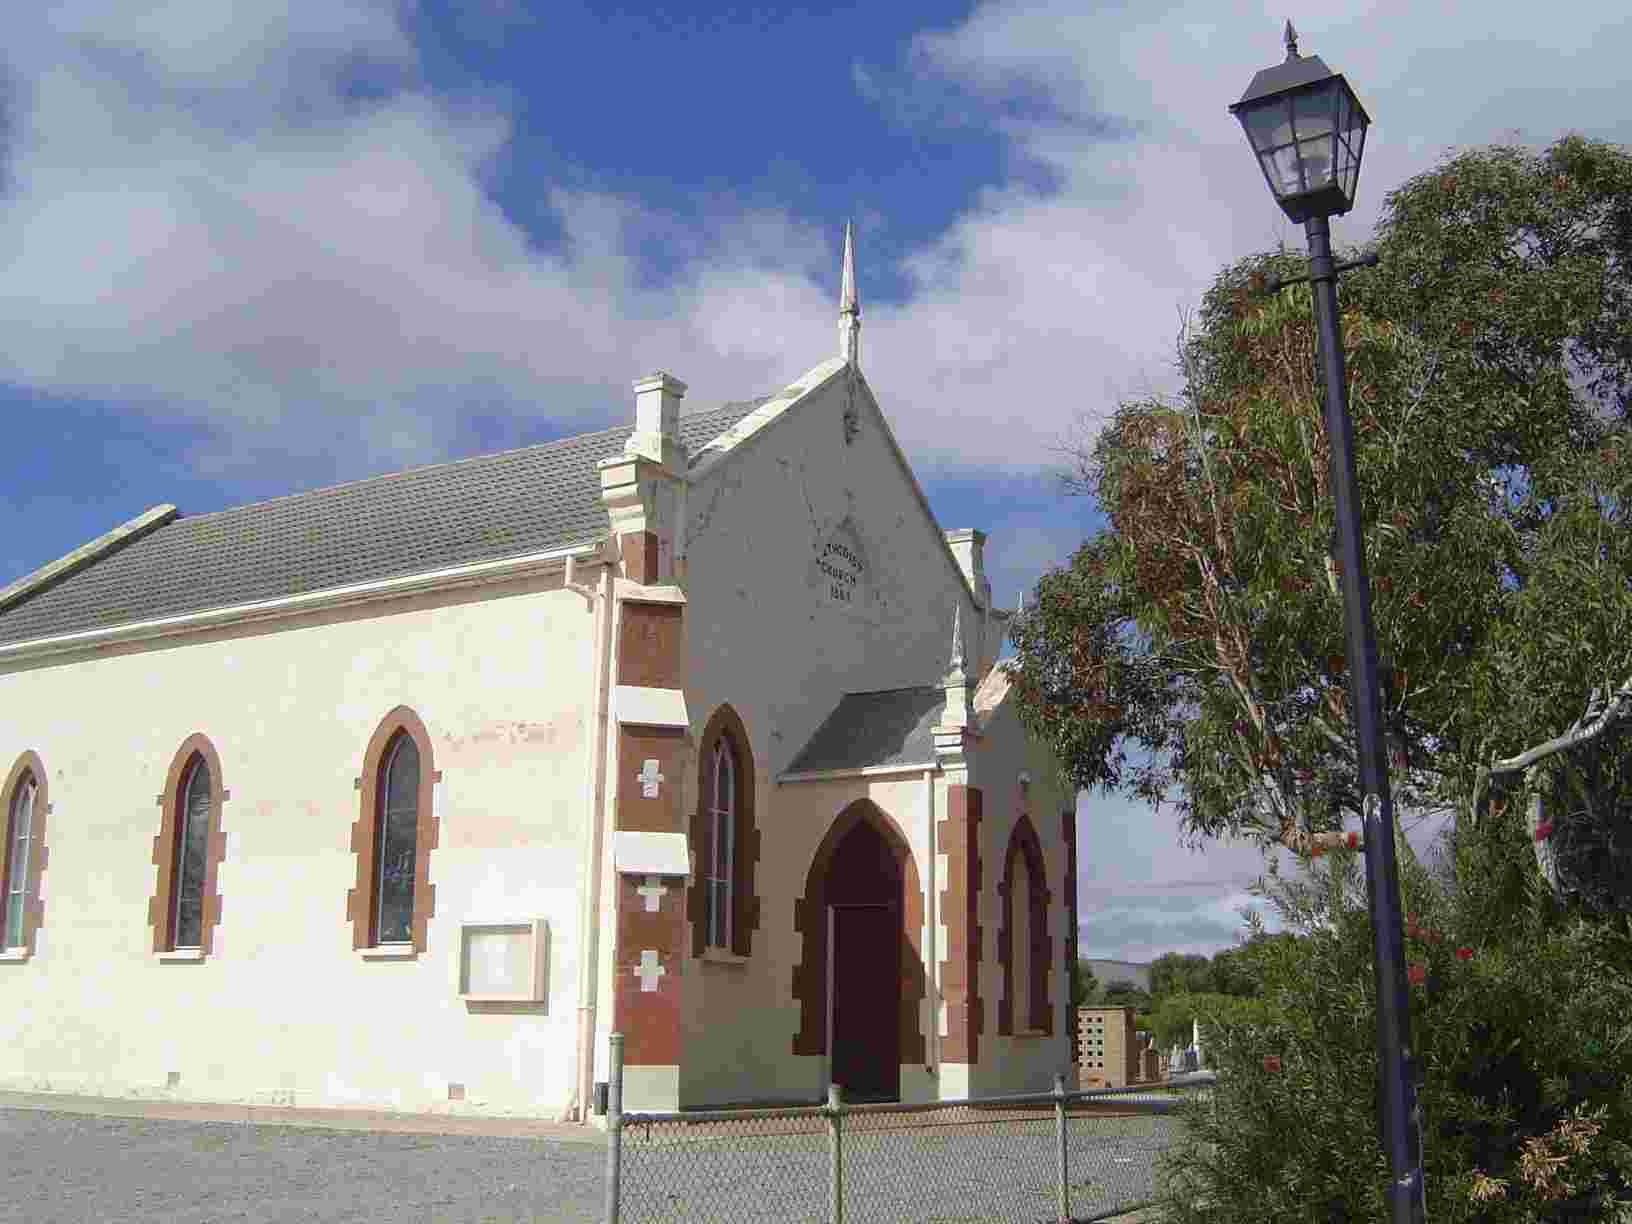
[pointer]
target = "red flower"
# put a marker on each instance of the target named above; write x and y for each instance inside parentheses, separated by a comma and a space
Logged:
(1432, 936)
(1353, 840)
(1412, 930)
(1416, 974)
(1464, 954)
(1544, 830)
(1316, 850)
(1272, 1064)
(1412, 919)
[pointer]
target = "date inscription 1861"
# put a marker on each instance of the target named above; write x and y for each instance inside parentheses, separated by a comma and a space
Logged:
(843, 570)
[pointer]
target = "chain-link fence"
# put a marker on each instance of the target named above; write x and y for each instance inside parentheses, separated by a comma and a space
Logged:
(1039, 1157)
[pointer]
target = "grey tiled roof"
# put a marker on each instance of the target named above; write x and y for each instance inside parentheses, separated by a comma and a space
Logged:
(892, 727)
(480, 509)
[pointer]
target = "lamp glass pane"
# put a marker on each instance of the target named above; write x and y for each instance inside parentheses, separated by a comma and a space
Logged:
(1348, 169)
(1313, 111)
(1281, 168)
(1268, 124)
(1357, 145)
(1316, 159)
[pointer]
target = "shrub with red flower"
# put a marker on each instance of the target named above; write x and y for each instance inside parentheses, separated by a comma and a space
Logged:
(1416, 974)
(1272, 1064)
(1544, 830)
(1464, 954)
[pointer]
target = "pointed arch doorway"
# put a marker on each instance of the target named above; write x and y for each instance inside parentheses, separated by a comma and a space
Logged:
(864, 966)
(861, 973)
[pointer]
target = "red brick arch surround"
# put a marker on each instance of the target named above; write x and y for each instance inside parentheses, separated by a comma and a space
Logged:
(1037, 1014)
(160, 907)
(364, 830)
(745, 843)
(28, 766)
(810, 921)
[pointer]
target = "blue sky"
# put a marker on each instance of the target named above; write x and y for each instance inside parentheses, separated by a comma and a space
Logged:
(254, 248)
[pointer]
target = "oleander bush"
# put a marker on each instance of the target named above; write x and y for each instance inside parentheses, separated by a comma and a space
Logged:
(1521, 1011)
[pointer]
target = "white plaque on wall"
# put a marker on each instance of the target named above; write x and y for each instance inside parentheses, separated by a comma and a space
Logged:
(503, 962)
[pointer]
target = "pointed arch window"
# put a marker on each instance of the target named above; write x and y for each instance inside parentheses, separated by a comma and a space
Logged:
(722, 905)
(191, 858)
(395, 833)
(721, 844)
(1025, 948)
(392, 899)
(186, 902)
(19, 853)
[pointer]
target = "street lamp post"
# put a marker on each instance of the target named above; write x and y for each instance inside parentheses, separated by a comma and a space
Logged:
(1308, 130)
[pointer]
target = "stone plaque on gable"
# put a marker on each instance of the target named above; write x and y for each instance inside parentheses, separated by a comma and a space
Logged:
(841, 573)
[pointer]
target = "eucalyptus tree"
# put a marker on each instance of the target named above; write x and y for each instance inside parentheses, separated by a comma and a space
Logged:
(1192, 651)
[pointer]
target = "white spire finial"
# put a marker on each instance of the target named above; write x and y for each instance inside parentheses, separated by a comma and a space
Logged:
(957, 640)
(849, 302)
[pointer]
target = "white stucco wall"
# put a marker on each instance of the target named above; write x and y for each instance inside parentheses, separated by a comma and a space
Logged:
(283, 1010)
(741, 1019)
(759, 632)
(1020, 1063)
(762, 635)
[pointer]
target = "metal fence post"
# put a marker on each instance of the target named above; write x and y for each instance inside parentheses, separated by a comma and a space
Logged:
(1059, 1127)
(835, 1155)
(614, 1124)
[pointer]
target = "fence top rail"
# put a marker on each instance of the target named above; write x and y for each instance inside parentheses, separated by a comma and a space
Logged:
(1156, 1098)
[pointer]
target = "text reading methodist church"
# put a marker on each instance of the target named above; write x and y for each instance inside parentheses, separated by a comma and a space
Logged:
(411, 791)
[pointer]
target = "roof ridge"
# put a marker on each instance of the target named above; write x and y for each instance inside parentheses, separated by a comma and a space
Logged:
(381, 477)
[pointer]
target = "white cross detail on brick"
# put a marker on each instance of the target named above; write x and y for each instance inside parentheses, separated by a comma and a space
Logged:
(649, 971)
(652, 891)
(648, 777)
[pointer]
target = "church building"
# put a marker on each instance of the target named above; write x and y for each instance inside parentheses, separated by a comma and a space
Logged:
(407, 793)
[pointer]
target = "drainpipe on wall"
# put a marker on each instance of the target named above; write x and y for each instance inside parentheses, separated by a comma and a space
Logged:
(594, 841)
(932, 908)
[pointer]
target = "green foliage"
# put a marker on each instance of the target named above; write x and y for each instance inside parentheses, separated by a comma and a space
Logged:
(1172, 1016)
(1175, 971)
(1123, 993)
(1193, 652)
(1084, 985)
(1520, 1018)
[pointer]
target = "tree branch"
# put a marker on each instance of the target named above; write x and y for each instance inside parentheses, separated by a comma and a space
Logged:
(1594, 721)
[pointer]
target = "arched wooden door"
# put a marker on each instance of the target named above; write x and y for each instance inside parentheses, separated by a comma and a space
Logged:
(864, 915)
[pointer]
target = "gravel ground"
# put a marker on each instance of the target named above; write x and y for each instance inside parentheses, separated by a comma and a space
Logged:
(77, 1168)
(63, 1168)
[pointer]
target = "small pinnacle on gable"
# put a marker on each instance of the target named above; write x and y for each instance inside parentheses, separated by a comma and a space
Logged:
(1291, 42)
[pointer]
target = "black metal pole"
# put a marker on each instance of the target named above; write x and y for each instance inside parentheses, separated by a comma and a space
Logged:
(1396, 1099)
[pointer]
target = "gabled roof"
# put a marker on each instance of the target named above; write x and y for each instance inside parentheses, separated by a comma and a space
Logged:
(867, 730)
(485, 508)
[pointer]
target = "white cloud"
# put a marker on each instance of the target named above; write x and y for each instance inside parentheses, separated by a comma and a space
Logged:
(206, 223)
(210, 229)
(1032, 302)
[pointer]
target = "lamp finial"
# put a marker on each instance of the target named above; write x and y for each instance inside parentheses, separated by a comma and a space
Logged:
(1291, 42)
